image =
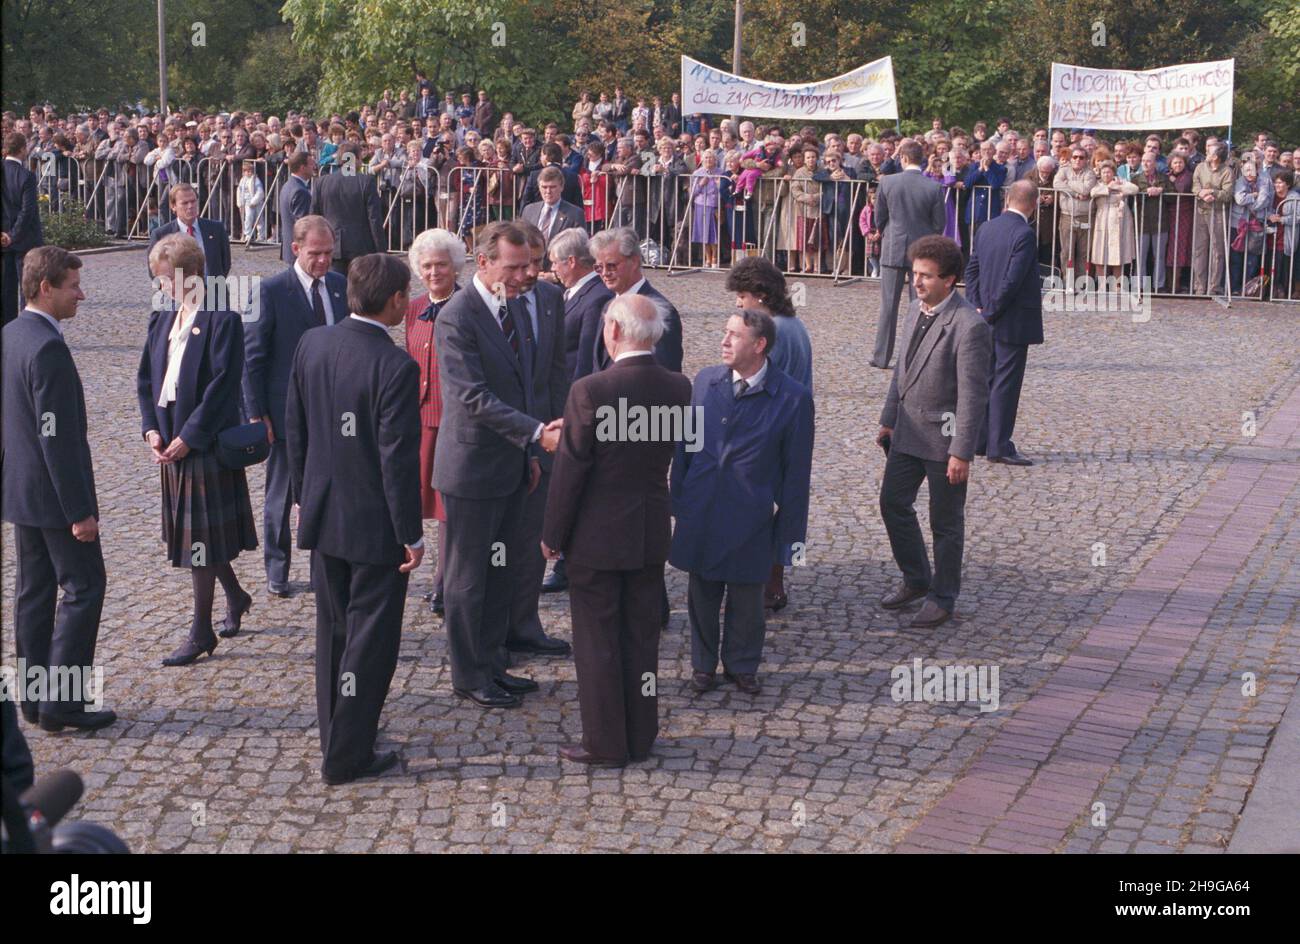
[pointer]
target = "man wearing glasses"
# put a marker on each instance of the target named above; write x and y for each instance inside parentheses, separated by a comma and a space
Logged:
(1074, 185)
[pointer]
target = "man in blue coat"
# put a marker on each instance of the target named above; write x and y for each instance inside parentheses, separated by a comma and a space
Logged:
(210, 234)
(755, 454)
(20, 222)
(1002, 283)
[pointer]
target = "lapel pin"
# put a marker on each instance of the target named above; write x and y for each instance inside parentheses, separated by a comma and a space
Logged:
(194, 330)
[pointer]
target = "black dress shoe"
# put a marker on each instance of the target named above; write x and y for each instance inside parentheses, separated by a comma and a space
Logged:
(378, 764)
(703, 681)
(902, 596)
(546, 646)
(82, 720)
(190, 651)
(747, 682)
(555, 582)
(490, 696)
(436, 606)
(278, 589)
(931, 615)
(514, 684)
(1014, 459)
(236, 616)
(31, 712)
(578, 754)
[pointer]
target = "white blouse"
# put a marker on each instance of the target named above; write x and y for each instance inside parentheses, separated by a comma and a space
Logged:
(176, 341)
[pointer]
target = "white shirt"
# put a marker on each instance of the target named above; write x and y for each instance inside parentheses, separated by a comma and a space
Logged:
(494, 306)
(573, 290)
(754, 380)
(180, 228)
(44, 314)
(177, 338)
(635, 288)
(635, 354)
(305, 281)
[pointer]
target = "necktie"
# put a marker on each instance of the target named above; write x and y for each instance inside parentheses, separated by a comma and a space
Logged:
(189, 229)
(548, 216)
(739, 387)
(508, 328)
(317, 303)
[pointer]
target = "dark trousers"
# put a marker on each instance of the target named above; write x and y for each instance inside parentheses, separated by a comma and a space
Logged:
(892, 279)
(476, 583)
(275, 516)
(359, 611)
(50, 558)
(742, 632)
(12, 282)
(1006, 374)
(898, 489)
(616, 654)
(528, 567)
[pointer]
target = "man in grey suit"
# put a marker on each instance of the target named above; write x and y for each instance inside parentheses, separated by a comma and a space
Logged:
(350, 201)
(929, 428)
(295, 201)
(909, 205)
(552, 215)
(487, 462)
(543, 305)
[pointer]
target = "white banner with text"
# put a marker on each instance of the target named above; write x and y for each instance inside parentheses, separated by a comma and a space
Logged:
(865, 93)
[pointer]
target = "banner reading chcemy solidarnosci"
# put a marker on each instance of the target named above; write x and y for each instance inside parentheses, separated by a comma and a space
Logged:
(1193, 95)
(863, 94)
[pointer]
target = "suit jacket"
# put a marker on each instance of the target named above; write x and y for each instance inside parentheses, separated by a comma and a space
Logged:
(488, 412)
(284, 315)
(909, 205)
(351, 203)
(668, 352)
(295, 203)
(567, 216)
(207, 390)
(1002, 279)
(985, 187)
(949, 374)
(608, 506)
(551, 377)
(20, 211)
(358, 490)
(48, 477)
(419, 344)
(571, 194)
(211, 236)
(582, 322)
(756, 456)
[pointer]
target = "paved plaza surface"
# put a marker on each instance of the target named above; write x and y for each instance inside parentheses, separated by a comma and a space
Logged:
(1129, 589)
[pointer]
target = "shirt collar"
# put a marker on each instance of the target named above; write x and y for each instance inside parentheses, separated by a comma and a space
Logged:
(54, 322)
(370, 321)
(635, 288)
(303, 278)
(489, 299)
(755, 380)
(627, 354)
(939, 308)
(577, 286)
(1017, 213)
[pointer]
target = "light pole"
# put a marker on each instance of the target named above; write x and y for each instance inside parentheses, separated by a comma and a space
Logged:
(162, 61)
(735, 50)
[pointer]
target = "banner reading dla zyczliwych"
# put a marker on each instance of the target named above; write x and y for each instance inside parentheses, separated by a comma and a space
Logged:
(1193, 95)
(865, 93)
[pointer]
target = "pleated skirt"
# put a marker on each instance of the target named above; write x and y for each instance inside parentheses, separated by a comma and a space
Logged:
(207, 515)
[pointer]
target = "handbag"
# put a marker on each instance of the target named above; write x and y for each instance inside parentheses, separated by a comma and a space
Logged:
(1255, 287)
(242, 446)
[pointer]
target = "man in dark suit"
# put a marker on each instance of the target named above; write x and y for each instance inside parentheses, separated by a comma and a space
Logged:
(1002, 283)
(210, 234)
(487, 461)
(552, 215)
(929, 426)
(295, 201)
(350, 201)
(909, 205)
(618, 260)
(304, 296)
(20, 227)
(353, 428)
(571, 192)
(542, 305)
(49, 496)
(608, 511)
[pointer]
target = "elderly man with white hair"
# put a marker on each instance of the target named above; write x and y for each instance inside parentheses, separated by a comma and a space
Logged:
(618, 260)
(608, 512)
(437, 257)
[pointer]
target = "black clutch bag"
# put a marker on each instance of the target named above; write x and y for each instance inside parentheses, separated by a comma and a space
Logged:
(242, 446)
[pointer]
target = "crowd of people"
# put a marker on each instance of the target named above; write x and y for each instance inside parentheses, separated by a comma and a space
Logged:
(1191, 214)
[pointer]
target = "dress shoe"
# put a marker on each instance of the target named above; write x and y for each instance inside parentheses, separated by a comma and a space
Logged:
(902, 596)
(546, 646)
(190, 651)
(436, 606)
(514, 684)
(931, 615)
(578, 754)
(277, 589)
(235, 617)
(880, 366)
(31, 711)
(83, 720)
(378, 764)
(745, 681)
(555, 582)
(1014, 459)
(776, 603)
(703, 681)
(490, 696)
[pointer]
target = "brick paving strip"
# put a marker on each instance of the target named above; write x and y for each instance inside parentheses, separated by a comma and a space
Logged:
(1039, 775)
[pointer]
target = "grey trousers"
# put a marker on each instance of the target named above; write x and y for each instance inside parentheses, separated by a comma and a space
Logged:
(528, 567)
(742, 632)
(892, 279)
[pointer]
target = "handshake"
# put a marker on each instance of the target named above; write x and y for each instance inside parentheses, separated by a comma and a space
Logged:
(550, 438)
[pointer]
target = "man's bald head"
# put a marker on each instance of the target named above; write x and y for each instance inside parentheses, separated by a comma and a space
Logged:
(1023, 196)
(632, 323)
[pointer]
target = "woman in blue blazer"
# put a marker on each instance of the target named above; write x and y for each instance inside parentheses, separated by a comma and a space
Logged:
(188, 386)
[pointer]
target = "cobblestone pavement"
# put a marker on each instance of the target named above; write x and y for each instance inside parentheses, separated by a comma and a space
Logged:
(1120, 668)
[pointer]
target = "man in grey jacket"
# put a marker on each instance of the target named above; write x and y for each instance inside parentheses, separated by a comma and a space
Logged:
(909, 205)
(929, 427)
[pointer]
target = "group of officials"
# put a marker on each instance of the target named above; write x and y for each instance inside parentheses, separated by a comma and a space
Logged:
(491, 421)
